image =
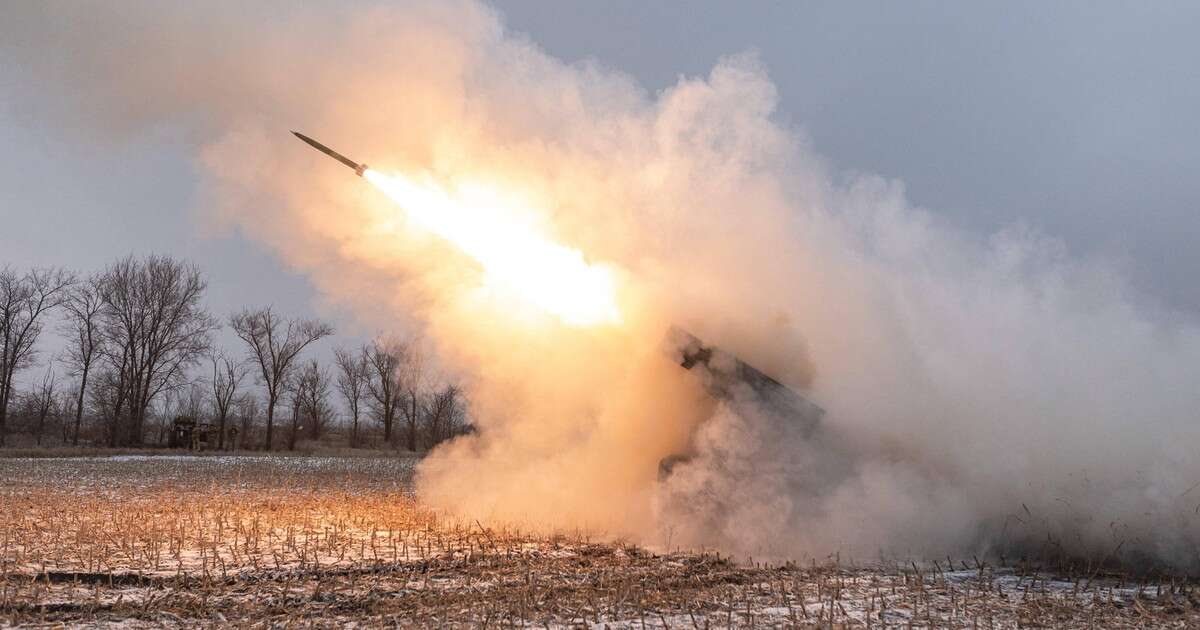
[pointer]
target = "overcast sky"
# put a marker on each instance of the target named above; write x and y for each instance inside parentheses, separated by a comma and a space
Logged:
(1076, 118)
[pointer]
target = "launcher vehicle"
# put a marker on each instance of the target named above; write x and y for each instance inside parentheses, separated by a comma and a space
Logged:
(728, 378)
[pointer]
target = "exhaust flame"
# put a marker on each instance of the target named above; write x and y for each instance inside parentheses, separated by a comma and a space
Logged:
(516, 258)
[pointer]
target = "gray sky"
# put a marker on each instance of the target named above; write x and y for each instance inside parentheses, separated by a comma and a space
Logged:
(1076, 118)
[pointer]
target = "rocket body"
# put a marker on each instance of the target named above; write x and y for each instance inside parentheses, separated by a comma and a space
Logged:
(355, 166)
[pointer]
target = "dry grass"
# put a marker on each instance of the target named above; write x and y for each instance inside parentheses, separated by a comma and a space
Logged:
(304, 449)
(140, 541)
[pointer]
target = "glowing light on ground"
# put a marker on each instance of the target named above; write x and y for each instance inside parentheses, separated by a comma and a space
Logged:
(514, 255)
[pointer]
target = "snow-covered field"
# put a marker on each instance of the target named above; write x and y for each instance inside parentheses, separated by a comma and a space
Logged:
(137, 541)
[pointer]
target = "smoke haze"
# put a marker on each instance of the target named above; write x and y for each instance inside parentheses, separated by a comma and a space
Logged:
(983, 394)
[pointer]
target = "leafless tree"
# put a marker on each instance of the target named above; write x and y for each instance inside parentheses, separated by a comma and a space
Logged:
(156, 329)
(246, 409)
(66, 408)
(412, 387)
(161, 417)
(308, 396)
(65, 405)
(184, 400)
(227, 375)
(193, 400)
(187, 399)
(385, 358)
(274, 344)
(43, 402)
(105, 398)
(352, 383)
(314, 388)
(24, 300)
(445, 415)
(294, 390)
(84, 305)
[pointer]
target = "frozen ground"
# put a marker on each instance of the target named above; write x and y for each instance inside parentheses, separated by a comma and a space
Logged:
(136, 541)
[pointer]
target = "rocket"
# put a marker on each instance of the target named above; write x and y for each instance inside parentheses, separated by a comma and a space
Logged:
(358, 168)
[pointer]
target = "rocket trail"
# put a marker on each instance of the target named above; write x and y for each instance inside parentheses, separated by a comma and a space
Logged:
(359, 169)
(517, 258)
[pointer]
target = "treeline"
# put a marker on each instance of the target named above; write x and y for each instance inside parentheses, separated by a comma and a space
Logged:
(140, 354)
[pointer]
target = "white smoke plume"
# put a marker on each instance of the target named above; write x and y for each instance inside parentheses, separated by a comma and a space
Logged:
(983, 394)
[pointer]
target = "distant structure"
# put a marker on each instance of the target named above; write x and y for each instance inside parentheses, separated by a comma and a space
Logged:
(187, 433)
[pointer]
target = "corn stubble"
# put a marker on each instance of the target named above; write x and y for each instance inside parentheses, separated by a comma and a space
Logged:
(262, 541)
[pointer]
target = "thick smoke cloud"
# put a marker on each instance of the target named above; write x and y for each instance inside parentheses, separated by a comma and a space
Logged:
(984, 394)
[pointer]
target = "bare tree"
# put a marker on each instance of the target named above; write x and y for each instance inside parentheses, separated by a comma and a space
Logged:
(194, 401)
(174, 403)
(227, 375)
(43, 401)
(412, 386)
(65, 405)
(445, 415)
(24, 299)
(315, 399)
(352, 383)
(246, 410)
(188, 400)
(161, 417)
(273, 344)
(105, 398)
(385, 358)
(294, 389)
(155, 327)
(84, 305)
(308, 395)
